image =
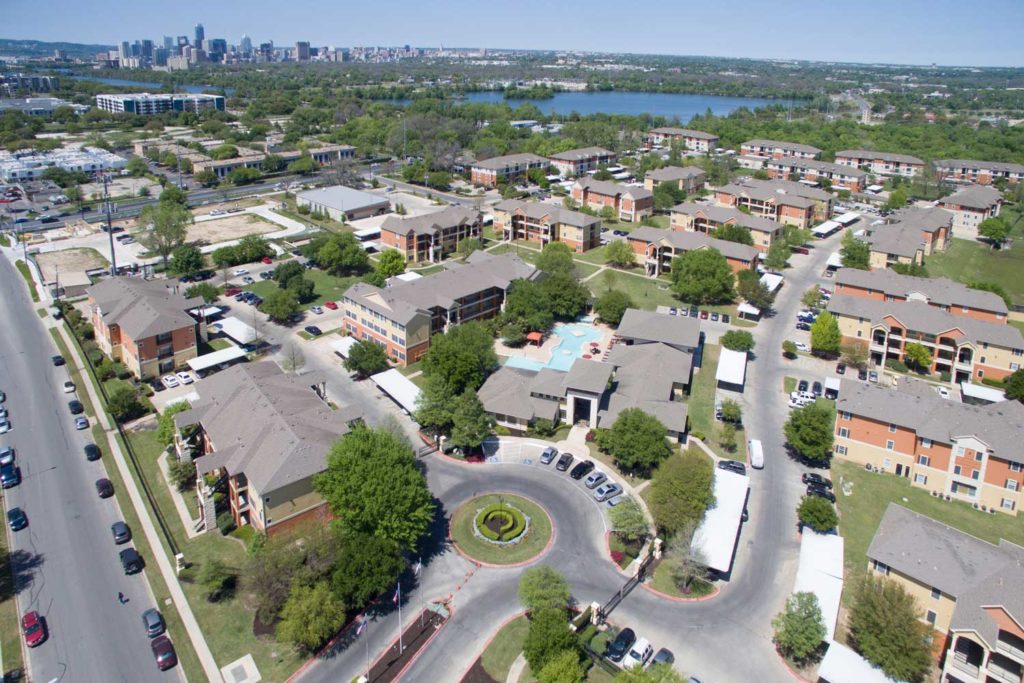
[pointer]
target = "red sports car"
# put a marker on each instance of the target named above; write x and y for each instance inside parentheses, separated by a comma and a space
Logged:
(32, 627)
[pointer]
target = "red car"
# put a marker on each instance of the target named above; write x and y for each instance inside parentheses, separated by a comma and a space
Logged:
(703, 315)
(231, 291)
(331, 305)
(801, 250)
(266, 259)
(32, 628)
(163, 652)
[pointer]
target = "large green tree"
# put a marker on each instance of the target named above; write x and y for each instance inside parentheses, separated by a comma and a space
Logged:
(186, 259)
(366, 358)
(637, 441)
(611, 306)
(855, 253)
(543, 587)
(549, 635)
(885, 627)
(777, 256)
(555, 257)
(817, 513)
(311, 616)
(462, 357)
(825, 336)
(342, 254)
(1015, 386)
(374, 487)
(755, 292)
(730, 232)
(799, 628)
(434, 407)
(391, 263)
(681, 491)
(165, 227)
(809, 431)
(737, 340)
(917, 356)
(619, 254)
(366, 566)
(628, 520)
(471, 424)
(702, 276)
(280, 305)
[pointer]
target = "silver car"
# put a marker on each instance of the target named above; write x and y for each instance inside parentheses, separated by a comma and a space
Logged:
(548, 455)
(595, 479)
(607, 491)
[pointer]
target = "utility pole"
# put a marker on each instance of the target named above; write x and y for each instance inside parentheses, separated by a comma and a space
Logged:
(110, 226)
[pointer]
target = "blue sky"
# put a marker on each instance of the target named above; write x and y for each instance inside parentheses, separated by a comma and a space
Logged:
(897, 31)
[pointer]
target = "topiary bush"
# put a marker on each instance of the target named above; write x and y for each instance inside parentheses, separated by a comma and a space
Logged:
(511, 526)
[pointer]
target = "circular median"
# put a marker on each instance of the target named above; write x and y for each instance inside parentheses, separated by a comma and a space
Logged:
(501, 529)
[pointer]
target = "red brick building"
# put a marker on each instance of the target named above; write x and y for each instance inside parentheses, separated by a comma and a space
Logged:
(630, 203)
(511, 168)
(431, 237)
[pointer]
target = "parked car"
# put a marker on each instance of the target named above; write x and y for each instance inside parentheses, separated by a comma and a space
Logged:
(821, 492)
(873, 376)
(817, 389)
(548, 455)
(267, 260)
(6, 455)
(606, 491)
(704, 315)
(120, 532)
(802, 386)
(169, 381)
(153, 622)
(57, 360)
(803, 327)
(33, 628)
(10, 476)
(104, 488)
(313, 330)
(943, 392)
(16, 519)
(163, 652)
(563, 462)
(800, 250)
(840, 368)
(265, 275)
(693, 311)
(714, 317)
(76, 407)
(232, 291)
(663, 656)
(862, 374)
(248, 280)
(620, 646)
(92, 452)
(316, 309)
(81, 423)
(595, 479)
(800, 346)
(331, 305)
(718, 410)
(5, 425)
(638, 654)
(157, 385)
(69, 387)
(239, 272)
(726, 318)
(813, 478)
(131, 561)
(184, 377)
(732, 466)
(582, 469)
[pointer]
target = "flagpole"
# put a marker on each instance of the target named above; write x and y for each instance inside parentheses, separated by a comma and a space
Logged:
(401, 646)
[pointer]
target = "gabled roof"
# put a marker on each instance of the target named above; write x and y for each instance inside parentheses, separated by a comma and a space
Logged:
(611, 189)
(670, 173)
(684, 132)
(979, 165)
(720, 215)
(648, 326)
(882, 156)
(538, 210)
(784, 192)
(782, 145)
(590, 376)
(925, 218)
(686, 240)
(939, 290)
(581, 154)
(431, 223)
(898, 239)
(973, 197)
(816, 165)
(511, 391)
(142, 308)
(503, 162)
(265, 424)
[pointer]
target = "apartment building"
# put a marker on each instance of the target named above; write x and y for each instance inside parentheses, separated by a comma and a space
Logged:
(576, 162)
(785, 201)
(147, 104)
(702, 218)
(144, 324)
(812, 170)
(957, 450)
(630, 203)
(970, 206)
(881, 163)
(268, 434)
(689, 179)
(402, 318)
(966, 589)
(691, 140)
(510, 168)
(967, 348)
(655, 248)
(28, 165)
(941, 293)
(543, 223)
(916, 233)
(249, 158)
(778, 149)
(431, 237)
(978, 172)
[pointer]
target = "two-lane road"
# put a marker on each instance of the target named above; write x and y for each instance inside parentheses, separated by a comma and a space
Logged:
(66, 563)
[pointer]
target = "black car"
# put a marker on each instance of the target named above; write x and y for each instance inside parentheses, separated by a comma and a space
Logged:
(802, 386)
(693, 311)
(104, 488)
(620, 646)
(663, 656)
(313, 330)
(814, 479)
(58, 360)
(803, 326)
(862, 374)
(821, 492)
(9, 475)
(92, 451)
(131, 561)
(16, 519)
(120, 532)
(841, 369)
(732, 466)
(582, 469)
(563, 462)
(153, 622)
(76, 407)
(816, 389)
(157, 385)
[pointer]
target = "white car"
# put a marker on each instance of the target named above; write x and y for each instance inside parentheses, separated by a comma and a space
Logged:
(185, 378)
(169, 381)
(800, 346)
(943, 392)
(239, 272)
(3, 413)
(69, 387)
(638, 654)
(217, 212)
(5, 426)
(317, 310)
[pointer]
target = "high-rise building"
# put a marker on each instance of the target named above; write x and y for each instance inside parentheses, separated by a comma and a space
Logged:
(168, 43)
(218, 47)
(147, 49)
(200, 34)
(267, 52)
(160, 55)
(245, 46)
(302, 51)
(124, 51)
(182, 42)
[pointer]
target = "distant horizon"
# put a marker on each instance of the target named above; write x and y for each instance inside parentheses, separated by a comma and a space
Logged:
(912, 33)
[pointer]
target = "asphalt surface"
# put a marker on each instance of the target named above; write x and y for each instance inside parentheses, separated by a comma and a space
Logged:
(65, 562)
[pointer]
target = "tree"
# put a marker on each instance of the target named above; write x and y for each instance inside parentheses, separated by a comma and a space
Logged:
(731, 411)
(777, 256)
(292, 359)
(730, 232)
(885, 628)
(637, 441)
(366, 567)
(685, 563)
(702, 276)
(809, 432)
(565, 297)
(619, 254)
(659, 673)
(182, 474)
(563, 667)
(755, 292)
(917, 356)
(366, 358)
(462, 357)
(799, 628)
(667, 195)
(304, 165)
(995, 230)
(897, 199)
(272, 163)
(817, 513)
(737, 340)
(280, 305)
(789, 349)
(549, 635)
(311, 616)
(212, 576)
(391, 263)
(471, 424)
(1014, 386)
(285, 272)
(611, 306)
(607, 213)
(207, 178)
(543, 587)
(374, 487)
(137, 167)
(855, 355)
(269, 575)
(172, 194)
(186, 259)
(812, 297)
(244, 176)
(825, 336)
(303, 289)
(681, 491)
(123, 403)
(556, 257)
(434, 406)
(727, 437)
(165, 228)
(343, 255)
(628, 520)
(468, 246)
(855, 253)
(165, 429)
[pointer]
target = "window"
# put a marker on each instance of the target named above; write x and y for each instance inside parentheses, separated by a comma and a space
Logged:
(845, 415)
(844, 432)
(926, 443)
(1014, 366)
(889, 445)
(982, 359)
(841, 450)
(936, 594)
(959, 450)
(957, 469)
(1007, 504)
(892, 428)
(975, 475)
(979, 456)
(930, 617)
(881, 567)
(1016, 467)
(920, 479)
(1011, 484)
(887, 463)
(924, 460)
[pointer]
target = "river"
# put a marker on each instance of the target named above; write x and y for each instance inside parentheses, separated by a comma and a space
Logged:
(154, 86)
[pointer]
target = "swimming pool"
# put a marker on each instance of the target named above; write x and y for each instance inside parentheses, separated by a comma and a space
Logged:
(575, 341)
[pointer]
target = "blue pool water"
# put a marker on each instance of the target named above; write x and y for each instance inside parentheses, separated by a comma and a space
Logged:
(575, 341)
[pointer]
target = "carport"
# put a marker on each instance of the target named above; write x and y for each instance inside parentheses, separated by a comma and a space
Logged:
(236, 329)
(732, 369)
(343, 346)
(843, 665)
(399, 388)
(212, 360)
(821, 572)
(715, 539)
(748, 312)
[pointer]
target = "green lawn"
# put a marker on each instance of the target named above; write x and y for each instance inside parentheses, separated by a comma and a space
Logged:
(702, 407)
(10, 631)
(5, 241)
(327, 287)
(536, 537)
(965, 261)
(789, 385)
(861, 512)
(25, 273)
(504, 648)
(662, 581)
(646, 293)
(220, 344)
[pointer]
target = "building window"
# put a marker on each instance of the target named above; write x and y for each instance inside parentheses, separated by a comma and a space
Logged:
(926, 443)
(979, 456)
(844, 432)
(892, 428)
(845, 415)
(1007, 504)
(931, 616)
(841, 450)
(1016, 467)
(957, 470)
(881, 567)
(920, 479)
(1011, 484)
(982, 359)
(936, 594)
(959, 450)
(924, 460)
(889, 445)
(975, 475)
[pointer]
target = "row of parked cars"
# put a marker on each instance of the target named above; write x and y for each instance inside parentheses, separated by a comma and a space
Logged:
(694, 312)
(604, 489)
(631, 652)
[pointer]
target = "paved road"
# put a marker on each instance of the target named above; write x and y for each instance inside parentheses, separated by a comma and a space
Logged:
(66, 562)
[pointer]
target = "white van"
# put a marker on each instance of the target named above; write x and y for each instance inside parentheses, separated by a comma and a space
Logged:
(756, 453)
(638, 654)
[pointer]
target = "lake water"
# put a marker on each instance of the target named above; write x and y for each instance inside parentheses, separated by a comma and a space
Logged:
(153, 86)
(633, 103)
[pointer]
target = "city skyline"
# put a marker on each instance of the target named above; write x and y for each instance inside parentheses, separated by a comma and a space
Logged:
(911, 33)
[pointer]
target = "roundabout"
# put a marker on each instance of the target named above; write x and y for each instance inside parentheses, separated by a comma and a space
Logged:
(501, 529)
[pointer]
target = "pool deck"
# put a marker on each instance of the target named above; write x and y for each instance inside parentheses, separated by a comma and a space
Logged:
(543, 353)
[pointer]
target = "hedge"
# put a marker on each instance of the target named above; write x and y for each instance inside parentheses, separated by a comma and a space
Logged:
(509, 530)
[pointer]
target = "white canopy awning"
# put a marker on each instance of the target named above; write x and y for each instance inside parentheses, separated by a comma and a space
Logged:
(835, 260)
(216, 358)
(401, 389)
(982, 393)
(236, 329)
(825, 229)
(343, 346)
(843, 665)
(732, 367)
(715, 539)
(772, 281)
(821, 572)
(746, 309)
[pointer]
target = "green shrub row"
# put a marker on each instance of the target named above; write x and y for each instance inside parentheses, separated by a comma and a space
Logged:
(507, 532)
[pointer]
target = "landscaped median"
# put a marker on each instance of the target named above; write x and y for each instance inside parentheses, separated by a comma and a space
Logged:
(501, 529)
(27, 274)
(10, 627)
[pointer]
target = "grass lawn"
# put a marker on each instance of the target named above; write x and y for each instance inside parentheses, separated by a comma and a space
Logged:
(646, 293)
(1019, 324)
(327, 287)
(702, 407)
(789, 385)
(220, 344)
(5, 241)
(75, 374)
(533, 541)
(662, 581)
(10, 628)
(25, 273)
(412, 369)
(598, 255)
(41, 312)
(861, 511)
(507, 644)
(965, 261)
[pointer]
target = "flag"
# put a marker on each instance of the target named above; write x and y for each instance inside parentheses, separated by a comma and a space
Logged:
(361, 627)
(398, 594)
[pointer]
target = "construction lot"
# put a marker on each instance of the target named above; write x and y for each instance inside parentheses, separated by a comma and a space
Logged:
(231, 227)
(52, 263)
(121, 186)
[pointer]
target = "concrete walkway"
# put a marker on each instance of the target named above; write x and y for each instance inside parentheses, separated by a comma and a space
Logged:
(516, 670)
(179, 501)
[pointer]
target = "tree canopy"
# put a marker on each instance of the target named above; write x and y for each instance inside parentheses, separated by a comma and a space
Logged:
(543, 587)
(809, 431)
(471, 424)
(311, 616)
(817, 513)
(462, 357)
(854, 252)
(681, 491)
(165, 227)
(885, 627)
(280, 304)
(391, 263)
(800, 628)
(825, 336)
(611, 306)
(737, 340)
(637, 441)
(366, 358)
(549, 636)
(702, 276)
(186, 259)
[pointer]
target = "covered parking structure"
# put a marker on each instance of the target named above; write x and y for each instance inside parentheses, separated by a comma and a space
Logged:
(240, 332)
(715, 539)
(821, 572)
(399, 388)
(222, 358)
(732, 370)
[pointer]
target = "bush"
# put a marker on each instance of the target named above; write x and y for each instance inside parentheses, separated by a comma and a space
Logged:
(818, 514)
(182, 474)
(225, 523)
(512, 526)
(105, 370)
(895, 364)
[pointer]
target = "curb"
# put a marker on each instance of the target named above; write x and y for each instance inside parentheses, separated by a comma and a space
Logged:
(674, 598)
(494, 634)
(787, 667)
(480, 563)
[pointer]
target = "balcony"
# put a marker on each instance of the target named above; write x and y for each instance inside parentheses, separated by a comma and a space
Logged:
(962, 666)
(243, 503)
(1003, 669)
(1010, 645)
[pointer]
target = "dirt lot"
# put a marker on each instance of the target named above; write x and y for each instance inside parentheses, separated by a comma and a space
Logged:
(121, 187)
(68, 261)
(231, 227)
